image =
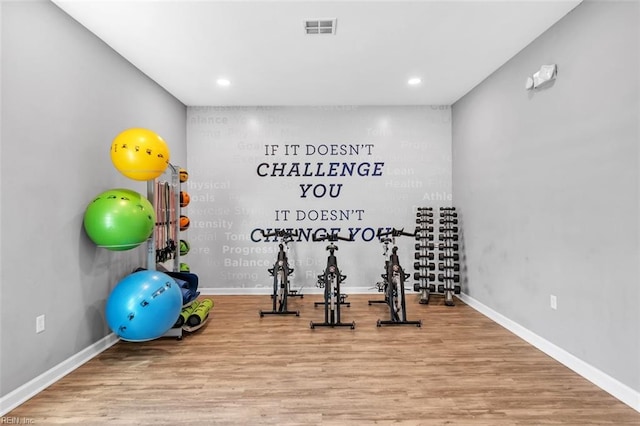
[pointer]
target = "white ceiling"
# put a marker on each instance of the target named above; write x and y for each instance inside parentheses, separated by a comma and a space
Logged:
(261, 46)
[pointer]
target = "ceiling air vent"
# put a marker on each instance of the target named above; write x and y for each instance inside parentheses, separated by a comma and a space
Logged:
(320, 26)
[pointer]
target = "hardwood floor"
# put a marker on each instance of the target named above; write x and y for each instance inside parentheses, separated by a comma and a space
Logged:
(459, 368)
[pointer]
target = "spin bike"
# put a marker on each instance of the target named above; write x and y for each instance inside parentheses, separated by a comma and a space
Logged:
(330, 280)
(393, 284)
(382, 285)
(281, 273)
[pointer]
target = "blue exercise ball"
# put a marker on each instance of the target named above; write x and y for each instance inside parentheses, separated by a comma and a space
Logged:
(143, 306)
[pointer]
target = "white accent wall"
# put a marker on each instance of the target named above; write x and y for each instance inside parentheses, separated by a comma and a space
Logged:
(313, 169)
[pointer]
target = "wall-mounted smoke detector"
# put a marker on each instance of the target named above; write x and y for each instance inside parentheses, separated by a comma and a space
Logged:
(320, 26)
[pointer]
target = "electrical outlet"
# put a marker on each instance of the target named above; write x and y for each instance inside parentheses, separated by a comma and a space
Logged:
(40, 324)
(553, 302)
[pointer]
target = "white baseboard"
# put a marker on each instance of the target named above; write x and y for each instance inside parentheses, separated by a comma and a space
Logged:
(49, 377)
(605, 382)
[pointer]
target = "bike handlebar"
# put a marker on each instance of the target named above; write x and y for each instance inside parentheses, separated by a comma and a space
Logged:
(283, 233)
(331, 237)
(395, 233)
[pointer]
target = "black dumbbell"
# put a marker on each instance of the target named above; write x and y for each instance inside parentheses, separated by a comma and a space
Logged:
(448, 228)
(453, 237)
(448, 221)
(420, 286)
(424, 236)
(444, 266)
(420, 265)
(429, 266)
(448, 214)
(430, 256)
(454, 277)
(428, 228)
(443, 256)
(441, 289)
(427, 220)
(426, 246)
(447, 208)
(429, 277)
(443, 246)
(425, 213)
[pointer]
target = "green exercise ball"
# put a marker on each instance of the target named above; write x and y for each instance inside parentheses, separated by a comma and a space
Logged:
(119, 219)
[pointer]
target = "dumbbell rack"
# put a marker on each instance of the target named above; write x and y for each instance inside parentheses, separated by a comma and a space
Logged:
(448, 256)
(448, 265)
(424, 254)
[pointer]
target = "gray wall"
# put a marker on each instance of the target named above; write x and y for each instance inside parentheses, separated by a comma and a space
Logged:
(547, 186)
(65, 96)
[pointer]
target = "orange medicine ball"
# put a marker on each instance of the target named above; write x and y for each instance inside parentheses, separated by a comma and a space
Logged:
(184, 176)
(184, 199)
(184, 222)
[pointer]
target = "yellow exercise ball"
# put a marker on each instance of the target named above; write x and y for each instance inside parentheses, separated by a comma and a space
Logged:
(140, 154)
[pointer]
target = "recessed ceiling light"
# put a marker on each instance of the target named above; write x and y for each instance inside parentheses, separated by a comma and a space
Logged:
(223, 82)
(414, 81)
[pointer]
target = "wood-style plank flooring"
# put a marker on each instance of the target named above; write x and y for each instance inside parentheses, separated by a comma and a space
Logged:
(459, 368)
